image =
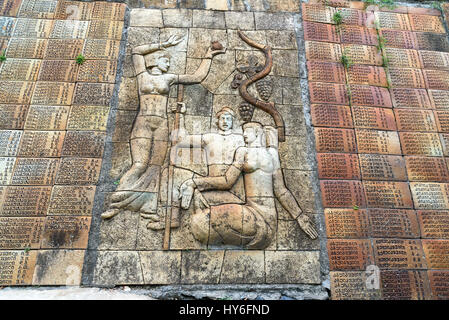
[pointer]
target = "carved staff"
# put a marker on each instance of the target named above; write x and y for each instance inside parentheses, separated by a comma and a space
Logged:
(268, 107)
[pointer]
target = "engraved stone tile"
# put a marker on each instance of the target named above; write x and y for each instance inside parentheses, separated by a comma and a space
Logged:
(16, 92)
(25, 201)
(63, 49)
(105, 29)
(243, 267)
(338, 166)
(9, 142)
(419, 143)
(368, 75)
(439, 98)
(3, 44)
(328, 115)
(321, 92)
(26, 48)
(385, 194)
(88, 118)
(292, 267)
(59, 267)
(275, 21)
(399, 254)
(362, 54)
(201, 266)
(335, 140)
(351, 285)
(320, 32)
(118, 267)
(426, 23)
(434, 224)
(326, 71)
(444, 139)
(17, 267)
(84, 144)
(439, 284)
(405, 285)
(370, 96)
(373, 118)
(43, 9)
(18, 233)
(358, 35)
(53, 93)
(393, 223)
(285, 65)
(101, 49)
(72, 200)
(161, 267)
(208, 19)
(283, 39)
(12, 116)
(437, 253)
(342, 193)
(7, 25)
(427, 169)
(316, 50)
(35, 171)
(290, 237)
(349, 254)
(79, 171)
(437, 79)
(145, 18)
(424, 11)
(47, 118)
(108, 11)
(182, 18)
(390, 20)
(58, 70)
(66, 232)
(317, 13)
(403, 58)
(346, 223)
(427, 195)
(406, 78)
(73, 10)
(10, 7)
(410, 98)
(97, 71)
(382, 167)
(32, 28)
(416, 120)
(354, 17)
(41, 144)
(376, 141)
(399, 39)
(69, 29)
(93, 94)
(432, 41)
(442, 120)
(434, 59)
(6, 169)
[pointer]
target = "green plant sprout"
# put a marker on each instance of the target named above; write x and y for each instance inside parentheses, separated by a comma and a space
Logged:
(437, 5)
(80, 59)
(381, 43)
(3, 56)
(355, 207)
(337, 18)
(346, 61)
(385, 62)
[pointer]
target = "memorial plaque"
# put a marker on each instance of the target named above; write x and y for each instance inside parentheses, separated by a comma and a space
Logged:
(444, 139)
(399, 254)
(351, 285)
(358, 35)
(434, 59)
(87, 144)
(9, 8)
(93, 94)
(390, 20)
(72, 201)
(32, 28)
(53, 93)
(25, 201)
(430, 195)
(328, 115)
(16, 92)
(320, 32)
(393, 223)
(439, 284)
(432, 41)
(346, 223)
(18, 233)
(17, 267)
(403, 58)
(419, 143)
(427, 169)
(335, 140)
(317, 13)
(88, 118)
(373, 118)
(439, 99)
(58, 70)
(437, 253)
(434, 224)
(382, 167)
(362, 54)
(342, 193)
(349, 254)
(416, 120)
(101, 49)
(63, 49)
(9, 142)
(368, 75)
(323, 51)
(6, 169)
(73, 10)
(399, 39)
(353, 16)
(20, 69)
(41, 144)
(321, 92)
(405, 285)
(34, 171)
(437, 79)
(79, 171)
(69, 29)
(410, 98)
(97, 71)
(12, 116)
(6, 26)
(43, 9)
(65, 232)
(47, 118)
(26, 48)
(406, 78)
(442, 120)
(370, 96)
(108, 11)
(386, 194)
(105, 29)
(426, 23)
(376, 141)
(338, 166)
(326, 71)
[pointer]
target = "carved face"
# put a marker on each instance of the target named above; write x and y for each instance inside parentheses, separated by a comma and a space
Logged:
(163, 64)
(249, 135)
(225, 121)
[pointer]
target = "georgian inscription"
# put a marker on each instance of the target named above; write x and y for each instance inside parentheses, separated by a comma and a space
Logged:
(370, 96)
(88, 144)
(16, 92)
(41, 144)
(373, 118)
(18, 233)
(317, 13)
(376, 141)
(405, 285)
(326, 71)
(430, 195)
(66, 232)
(98, 71)
(368, 75)
(32, 28)
(63, 49)
(410, 98)
(89, 94)
(439, 99)
(406, 78)
(9, 8)
(72, 200)
(439, 282)
(9, 142)
(390, 20)
(321, 92)
(431, 41)
(393, 223)
(20, 69)
(437, 79)
(351, 285)
(427, 169)
(101, 49)
(26, 48)
(399, 254)
(383, 194)
(338, 166)
(434, 59)
(437, 253)
(420, 143)
(12, 116)
(382, 167)
(346, 223)
(58, 70)
(108, 11)
(78, 171)
(444, 139)
(6, 169)
(399, 39)
(434, 224)
(358, 35)
(335, 140)
(17, 267)
(7, 25)
(349, 254)
(342, 193)
(47, 118)
(34, 171)
(75, 10)
(38, 9)
(426, 23)
(417, 120)
(25, 201)
(320, 32)
(88, 118)
(403, 58)
(53, 93)
(353, 16)
(328, 115)
(323, 51)
(362, 54)
(69, 29)
(105, 29)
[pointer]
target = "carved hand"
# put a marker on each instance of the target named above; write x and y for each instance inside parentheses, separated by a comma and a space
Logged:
(211, 52)
(186, 193)
(307, 225)
(172, 41)
(179, 107)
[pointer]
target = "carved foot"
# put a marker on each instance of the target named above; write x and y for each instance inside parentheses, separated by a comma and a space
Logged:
(109, 214)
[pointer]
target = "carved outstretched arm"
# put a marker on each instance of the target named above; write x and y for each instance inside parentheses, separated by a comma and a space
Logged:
(218, 183)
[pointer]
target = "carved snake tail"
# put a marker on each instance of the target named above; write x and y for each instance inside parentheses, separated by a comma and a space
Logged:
(263, 105)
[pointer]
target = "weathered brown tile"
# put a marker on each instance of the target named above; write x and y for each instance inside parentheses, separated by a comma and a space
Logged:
(406, 78)
(342, 193)
(403, 58)
(399, 39)
(382, 167)
(416, 120)
(63, 49)
(424, 11)
(101, 49)
(410, 98)
(362, 54)
(434, 224)
(118, 267)
(201, 266)
(9, 142)
(390, 20)
(427, 169)
(10, 8)
(405, 285)
(292, 267)
(66, 232)
(25, 201)
(349, 254)
(328, 115)
(41, 144)
(71, 200)
(26, 48)
(352, 285)
(59, 267)
(20, 69)
(426, 23)
(78, 171)
(373, 118)
(243, 267)
(393, 223)
(439, 99)
(17, 267)
(434, 59)
(6, 169)
(338, 166)
(69, 29)
(93, 94)
(439, 284)
(370, 96)
(32, 28)
(53, 93)
(19, 233)
(88, 144)
(376, 141)
(321, 92)
(16, 92)
(358, 35)
(444, 139)
(431, 41)
(88, 118)
(320, 32)
(386, 194)
(74, 10)
(437, 253)
(47, 118)
(323, 51)
(105, 29)
(325, 71)
(346, 223)
(43, 9)
(317, 13)
(419, 143)
(108, 11)
(399, 254)
(335, 140)
(437, 79)
(368, 75)
(430, 195)
(34, 171)
(58, 70)
(97, 71)
(7, 26)
(12, 116)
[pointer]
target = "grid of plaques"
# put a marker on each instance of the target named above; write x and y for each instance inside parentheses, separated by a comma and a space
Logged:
(53, 114)
(379, 92)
